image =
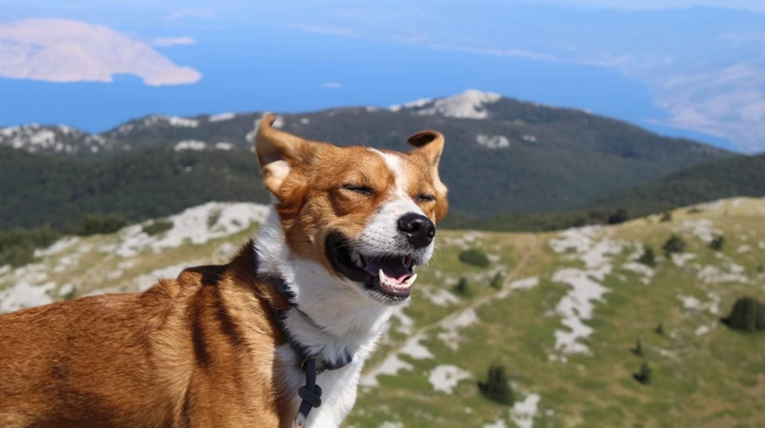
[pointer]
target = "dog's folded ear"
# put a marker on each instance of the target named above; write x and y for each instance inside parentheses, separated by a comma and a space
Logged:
(277, 152)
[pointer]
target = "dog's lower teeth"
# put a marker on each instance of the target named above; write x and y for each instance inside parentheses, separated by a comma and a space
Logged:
(401, 286)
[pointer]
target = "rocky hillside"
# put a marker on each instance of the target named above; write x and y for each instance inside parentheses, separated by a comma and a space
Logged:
(502, 155)
(571, 316)
(54, 139)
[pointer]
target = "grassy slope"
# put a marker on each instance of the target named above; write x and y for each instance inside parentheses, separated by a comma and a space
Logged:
(715, 379)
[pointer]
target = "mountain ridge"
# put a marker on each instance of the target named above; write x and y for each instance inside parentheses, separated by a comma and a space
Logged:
(501, 156)
(470, 104)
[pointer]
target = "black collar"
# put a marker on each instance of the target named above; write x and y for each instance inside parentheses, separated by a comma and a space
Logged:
(311, 364)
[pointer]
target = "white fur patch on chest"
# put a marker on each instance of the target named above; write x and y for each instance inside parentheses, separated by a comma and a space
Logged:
(335, 319)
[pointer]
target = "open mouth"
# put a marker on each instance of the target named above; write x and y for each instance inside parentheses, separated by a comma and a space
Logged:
(387, 277)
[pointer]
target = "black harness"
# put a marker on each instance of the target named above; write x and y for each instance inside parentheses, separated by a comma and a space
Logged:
(310, 364)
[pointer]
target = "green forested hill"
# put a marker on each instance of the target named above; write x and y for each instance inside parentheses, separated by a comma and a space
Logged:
(723, 178)
(61, 191)
(550, 162)
(740, 176)
(502, 156)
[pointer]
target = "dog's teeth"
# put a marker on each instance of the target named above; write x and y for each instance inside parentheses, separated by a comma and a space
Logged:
(410, 281)
(381, 276)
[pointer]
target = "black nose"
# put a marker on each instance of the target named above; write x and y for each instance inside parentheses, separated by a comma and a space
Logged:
(417, 228)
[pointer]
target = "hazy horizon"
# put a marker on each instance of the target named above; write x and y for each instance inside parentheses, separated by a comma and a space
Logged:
(675, 69)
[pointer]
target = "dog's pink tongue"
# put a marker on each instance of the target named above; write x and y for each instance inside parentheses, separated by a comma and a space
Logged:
(394, 270)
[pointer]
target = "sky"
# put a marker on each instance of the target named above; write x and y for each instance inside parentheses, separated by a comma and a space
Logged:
(679, 67)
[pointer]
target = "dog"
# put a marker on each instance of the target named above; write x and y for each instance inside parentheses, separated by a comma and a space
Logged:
(275, 338)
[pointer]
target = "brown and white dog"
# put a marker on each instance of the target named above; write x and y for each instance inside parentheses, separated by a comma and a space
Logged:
(220, 346)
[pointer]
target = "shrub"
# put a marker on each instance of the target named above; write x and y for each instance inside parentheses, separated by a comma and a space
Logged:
(619, 216)
(674, 244)
(648, 257)
(497, 281)
(747, 315)
(157, 227)
(497, 388)
(638, 349)
(666, 216)
(95, 225)
(760, 268)
(644, 374)
(659, 329)
(462, 288)
(474, 257)
(213, 218)
(597, 217)
(717, 243)
(17, 246)
(71, 294)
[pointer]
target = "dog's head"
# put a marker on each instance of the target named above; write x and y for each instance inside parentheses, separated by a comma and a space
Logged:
(368, 216)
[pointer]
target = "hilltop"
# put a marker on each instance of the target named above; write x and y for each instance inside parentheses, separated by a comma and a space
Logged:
(502, 155)
(723, 178)
(563, 317)
(739, 176)
(40, 190)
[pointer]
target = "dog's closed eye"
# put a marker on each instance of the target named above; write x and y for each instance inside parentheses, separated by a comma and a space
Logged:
(360, 189)
(426, 197)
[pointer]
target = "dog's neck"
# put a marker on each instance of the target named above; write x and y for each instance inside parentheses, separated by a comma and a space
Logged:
(331, 316)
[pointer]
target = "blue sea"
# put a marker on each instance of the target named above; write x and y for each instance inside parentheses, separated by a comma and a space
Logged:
(275, 69)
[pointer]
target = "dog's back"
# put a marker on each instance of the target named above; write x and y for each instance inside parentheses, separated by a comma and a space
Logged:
(196, 351)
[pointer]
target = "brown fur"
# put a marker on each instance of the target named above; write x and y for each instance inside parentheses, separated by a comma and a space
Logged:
(196, 351)
(312, 200)
(199, 351)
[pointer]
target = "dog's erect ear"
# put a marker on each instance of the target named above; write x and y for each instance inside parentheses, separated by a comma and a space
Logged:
(277, 152)
(429, 144)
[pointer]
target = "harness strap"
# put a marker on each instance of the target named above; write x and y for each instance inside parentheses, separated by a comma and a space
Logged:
(310, 393)
(310, 364)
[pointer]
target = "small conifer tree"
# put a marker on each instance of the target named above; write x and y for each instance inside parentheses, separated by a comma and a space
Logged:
(674, 244)
(644, 374)
(659, 329)
(497, 388)
(462, 288)
(648, 257)
(638, 349)
(619, 216)
(497, 281)
(747, 315)
(717, 243)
